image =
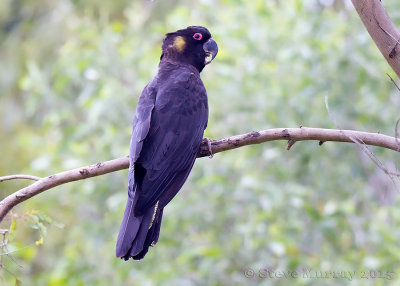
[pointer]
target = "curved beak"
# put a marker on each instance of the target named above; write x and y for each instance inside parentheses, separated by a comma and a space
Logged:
(211, 49)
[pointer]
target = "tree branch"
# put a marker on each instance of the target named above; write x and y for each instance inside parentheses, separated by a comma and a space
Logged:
(292, 135)
(19, 176)
(381, 29)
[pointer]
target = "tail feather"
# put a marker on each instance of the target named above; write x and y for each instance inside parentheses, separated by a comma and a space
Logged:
(128, 230)
(151, 236)
(138, 233)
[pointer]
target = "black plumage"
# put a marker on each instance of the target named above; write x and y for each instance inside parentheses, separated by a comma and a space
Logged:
(168, 127)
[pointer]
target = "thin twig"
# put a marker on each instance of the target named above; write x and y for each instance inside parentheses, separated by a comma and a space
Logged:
(393, 81)
(359, 142)
(19, 176)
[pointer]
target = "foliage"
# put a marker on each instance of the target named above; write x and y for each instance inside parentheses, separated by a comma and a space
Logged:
(71, 74)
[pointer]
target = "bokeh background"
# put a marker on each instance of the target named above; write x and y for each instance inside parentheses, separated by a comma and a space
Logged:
(70, 76)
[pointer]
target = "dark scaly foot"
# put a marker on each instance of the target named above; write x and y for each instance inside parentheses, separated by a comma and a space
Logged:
(205, 139)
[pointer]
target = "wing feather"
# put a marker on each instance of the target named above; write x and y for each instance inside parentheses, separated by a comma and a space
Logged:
(164, 158)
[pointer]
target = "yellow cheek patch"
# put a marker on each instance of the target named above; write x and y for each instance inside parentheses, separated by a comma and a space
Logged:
(179, 43)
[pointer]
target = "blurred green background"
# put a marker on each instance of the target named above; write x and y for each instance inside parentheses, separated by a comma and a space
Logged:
(70, 76)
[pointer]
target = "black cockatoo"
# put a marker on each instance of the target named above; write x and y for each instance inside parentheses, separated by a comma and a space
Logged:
(170, 118)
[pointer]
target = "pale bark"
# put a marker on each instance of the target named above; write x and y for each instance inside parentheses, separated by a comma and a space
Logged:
(381, 29)
(292, 135)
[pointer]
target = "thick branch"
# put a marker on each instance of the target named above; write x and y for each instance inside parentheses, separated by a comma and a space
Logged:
(381, 29)
(256, 137)
(300, 134)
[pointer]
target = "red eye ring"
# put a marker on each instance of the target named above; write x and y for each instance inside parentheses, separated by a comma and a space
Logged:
(197, 36)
